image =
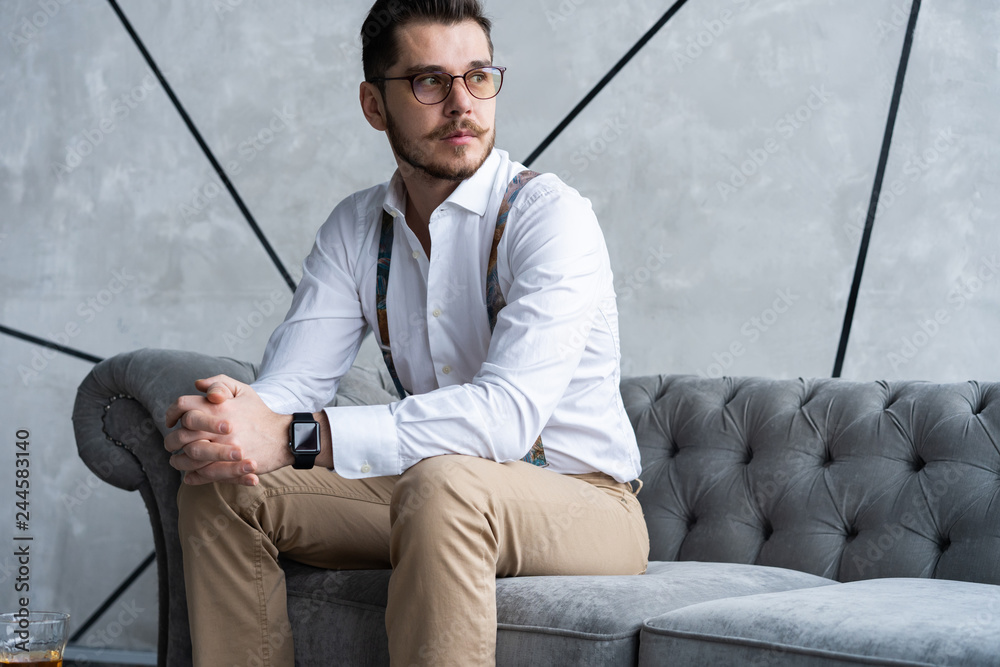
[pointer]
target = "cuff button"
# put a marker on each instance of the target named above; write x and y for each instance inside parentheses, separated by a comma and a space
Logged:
(366, 468)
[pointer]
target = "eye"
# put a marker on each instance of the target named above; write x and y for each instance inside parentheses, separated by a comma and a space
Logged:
(431, 80)
(478, 76)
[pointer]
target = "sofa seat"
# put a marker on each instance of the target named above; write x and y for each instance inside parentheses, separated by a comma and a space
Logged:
(540, 620)
(749, 484)
(874, 622)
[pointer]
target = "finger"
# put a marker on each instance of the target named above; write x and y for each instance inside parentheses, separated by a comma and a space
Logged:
(222, 471)
(174, 441)
(174, 413)
(180, 406)
(180, 438)
(196, 420)
(221, 378)
(219, 388)
(209, 452)
(185, 463)
(192, 478)
(246, 480)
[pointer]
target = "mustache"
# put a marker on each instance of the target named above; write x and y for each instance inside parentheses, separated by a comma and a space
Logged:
(458, 126)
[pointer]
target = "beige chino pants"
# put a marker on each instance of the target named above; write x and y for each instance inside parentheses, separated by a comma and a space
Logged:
(448, 527)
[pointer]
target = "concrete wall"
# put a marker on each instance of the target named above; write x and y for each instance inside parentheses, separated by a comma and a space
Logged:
(730, 162)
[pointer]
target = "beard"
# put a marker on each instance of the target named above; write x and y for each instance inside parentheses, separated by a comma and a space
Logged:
(410, 152)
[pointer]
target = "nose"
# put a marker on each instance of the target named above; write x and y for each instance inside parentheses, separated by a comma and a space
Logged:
(459, 100)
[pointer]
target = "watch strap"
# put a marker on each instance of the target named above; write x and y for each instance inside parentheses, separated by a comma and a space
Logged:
(303, 460)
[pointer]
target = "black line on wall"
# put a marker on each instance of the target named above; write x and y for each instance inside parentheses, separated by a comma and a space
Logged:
(204, 147)
(890, 125)
(111, 598)
(603, 82)
(49, 344)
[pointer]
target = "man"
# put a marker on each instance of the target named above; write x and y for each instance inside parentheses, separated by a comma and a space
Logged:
(490, 353)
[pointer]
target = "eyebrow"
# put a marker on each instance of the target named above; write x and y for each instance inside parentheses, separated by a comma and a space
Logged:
(420, 69)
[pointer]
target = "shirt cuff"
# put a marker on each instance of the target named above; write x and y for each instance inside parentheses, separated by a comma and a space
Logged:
(364, 441)
(278, 400)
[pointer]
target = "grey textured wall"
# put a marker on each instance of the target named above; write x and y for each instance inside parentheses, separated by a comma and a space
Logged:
(731, 163)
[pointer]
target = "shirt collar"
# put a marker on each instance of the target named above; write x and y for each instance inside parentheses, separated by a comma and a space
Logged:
(472, 194)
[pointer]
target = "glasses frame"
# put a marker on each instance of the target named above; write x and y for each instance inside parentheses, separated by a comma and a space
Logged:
(451, 84)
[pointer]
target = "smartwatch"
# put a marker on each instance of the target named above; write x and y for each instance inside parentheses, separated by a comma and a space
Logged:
(303, 440)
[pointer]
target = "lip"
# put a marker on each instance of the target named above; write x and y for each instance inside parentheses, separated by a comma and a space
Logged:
(460, 138)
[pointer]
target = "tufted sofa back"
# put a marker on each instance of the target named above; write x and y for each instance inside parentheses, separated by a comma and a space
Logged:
(846, 480)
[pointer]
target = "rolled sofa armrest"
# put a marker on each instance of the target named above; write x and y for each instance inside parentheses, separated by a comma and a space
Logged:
(118, 419)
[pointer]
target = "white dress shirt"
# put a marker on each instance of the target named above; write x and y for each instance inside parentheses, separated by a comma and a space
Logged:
(551, 366)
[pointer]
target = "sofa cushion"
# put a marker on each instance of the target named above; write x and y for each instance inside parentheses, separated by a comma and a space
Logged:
(540, 620)
(847, 480)
(875, 622)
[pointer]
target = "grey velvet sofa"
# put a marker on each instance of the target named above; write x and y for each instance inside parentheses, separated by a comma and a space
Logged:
(792, 522)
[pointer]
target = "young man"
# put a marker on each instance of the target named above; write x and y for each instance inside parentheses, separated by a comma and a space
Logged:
(510, 454)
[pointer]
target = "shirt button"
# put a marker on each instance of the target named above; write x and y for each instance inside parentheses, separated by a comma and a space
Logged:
(366, 468)
(446, 370)
(416, 254)
(437, 312)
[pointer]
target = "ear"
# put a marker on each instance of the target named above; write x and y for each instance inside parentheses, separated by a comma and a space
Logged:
(373, 106)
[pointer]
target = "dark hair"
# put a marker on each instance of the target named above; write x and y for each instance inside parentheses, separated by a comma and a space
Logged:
(379, 50)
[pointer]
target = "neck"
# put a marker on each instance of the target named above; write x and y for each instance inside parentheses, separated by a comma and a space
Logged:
(424, 194)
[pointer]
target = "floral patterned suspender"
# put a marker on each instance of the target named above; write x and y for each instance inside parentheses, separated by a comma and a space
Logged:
(494, 297)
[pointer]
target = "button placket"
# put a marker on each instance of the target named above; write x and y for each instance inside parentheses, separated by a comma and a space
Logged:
(438, 273)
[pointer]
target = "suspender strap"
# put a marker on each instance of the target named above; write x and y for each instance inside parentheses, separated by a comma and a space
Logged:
(494, 297)
(381, 289)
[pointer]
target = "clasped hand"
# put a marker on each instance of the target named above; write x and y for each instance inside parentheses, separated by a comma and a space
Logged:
(227, 435)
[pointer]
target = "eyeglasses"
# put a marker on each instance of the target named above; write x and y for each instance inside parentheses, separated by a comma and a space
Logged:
(434, 87)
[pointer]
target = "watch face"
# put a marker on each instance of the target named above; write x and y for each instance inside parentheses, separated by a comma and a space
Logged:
(305, 438)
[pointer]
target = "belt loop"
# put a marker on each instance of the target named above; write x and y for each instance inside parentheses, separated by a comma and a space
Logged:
(636, 491)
